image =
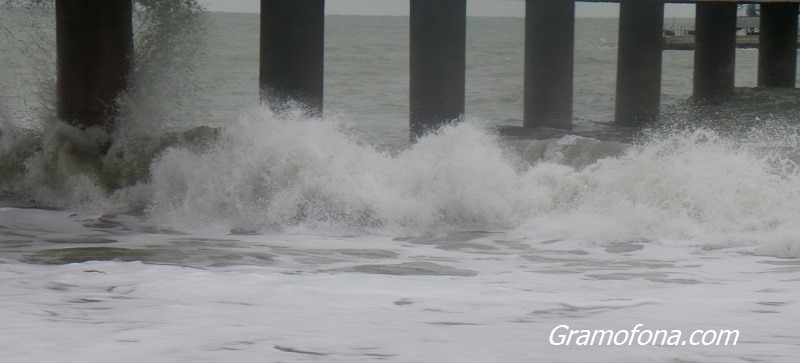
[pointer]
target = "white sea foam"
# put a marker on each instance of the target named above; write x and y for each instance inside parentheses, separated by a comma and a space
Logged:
(346, 299)
(266, 174)
(470, 245)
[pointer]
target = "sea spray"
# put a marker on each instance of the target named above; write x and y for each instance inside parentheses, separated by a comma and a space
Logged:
(272, 174)
(29, 75)
(318, 240)
(726, 182)
(688, 185)
(49, 164)
(165, 92)
(264, 174)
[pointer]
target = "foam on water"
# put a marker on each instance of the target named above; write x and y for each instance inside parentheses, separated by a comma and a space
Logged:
(293, 239)
(688, 185)
(165, 163)
(473, 297)
(265, 173)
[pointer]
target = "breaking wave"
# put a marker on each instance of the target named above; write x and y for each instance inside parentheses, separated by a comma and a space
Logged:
(265, 173)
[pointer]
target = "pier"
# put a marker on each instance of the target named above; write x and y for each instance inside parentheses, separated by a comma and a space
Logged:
(94, 46)
(95, 43)
(715, 52)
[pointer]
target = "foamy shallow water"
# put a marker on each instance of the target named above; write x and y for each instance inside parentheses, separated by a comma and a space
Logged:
(288, 240)
(461, 296)
(212, 230)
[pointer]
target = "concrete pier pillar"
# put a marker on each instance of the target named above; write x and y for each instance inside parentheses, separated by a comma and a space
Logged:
(777, 55)
(292, 55)
(438, 49)
(94, 45)
(715, 52)
(639, 62)
(549, 55)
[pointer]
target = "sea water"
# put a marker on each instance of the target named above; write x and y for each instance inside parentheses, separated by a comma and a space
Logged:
(212, 230)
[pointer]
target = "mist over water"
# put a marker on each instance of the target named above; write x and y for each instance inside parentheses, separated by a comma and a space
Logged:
(204, 222)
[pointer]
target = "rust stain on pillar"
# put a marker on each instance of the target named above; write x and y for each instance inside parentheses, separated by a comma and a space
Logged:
(438, 63)
(292, 54)
(777, 55)
(641, 25)
(549, 58)
(94, 45)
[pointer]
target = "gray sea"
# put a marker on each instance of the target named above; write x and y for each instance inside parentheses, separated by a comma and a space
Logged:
(212, 230)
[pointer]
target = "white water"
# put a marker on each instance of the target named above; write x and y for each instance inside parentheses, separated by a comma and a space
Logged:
(285, 240)
(263, 174)
(303, 239)
(268, 174)
(295, 297)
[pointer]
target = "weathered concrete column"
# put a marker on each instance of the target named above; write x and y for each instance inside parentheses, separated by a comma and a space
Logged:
(94, 45)
(777, 55)
(715, 52)
(639, 62)
(549, 58)
(438, 60)
(292, 54)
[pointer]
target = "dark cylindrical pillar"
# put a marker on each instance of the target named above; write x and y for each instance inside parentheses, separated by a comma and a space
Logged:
(549, 55)
(438, 50)
(292, 52)
(641, 25)
(715, 52)
(777, 55)
(94, 45)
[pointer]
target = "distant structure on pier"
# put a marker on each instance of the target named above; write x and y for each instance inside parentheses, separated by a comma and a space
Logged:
(680, 36)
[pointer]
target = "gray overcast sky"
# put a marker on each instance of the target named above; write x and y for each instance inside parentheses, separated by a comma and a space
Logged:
(475, 7)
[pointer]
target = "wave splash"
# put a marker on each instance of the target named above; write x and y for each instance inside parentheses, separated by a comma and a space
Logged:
(262, 173)
(267, 174)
